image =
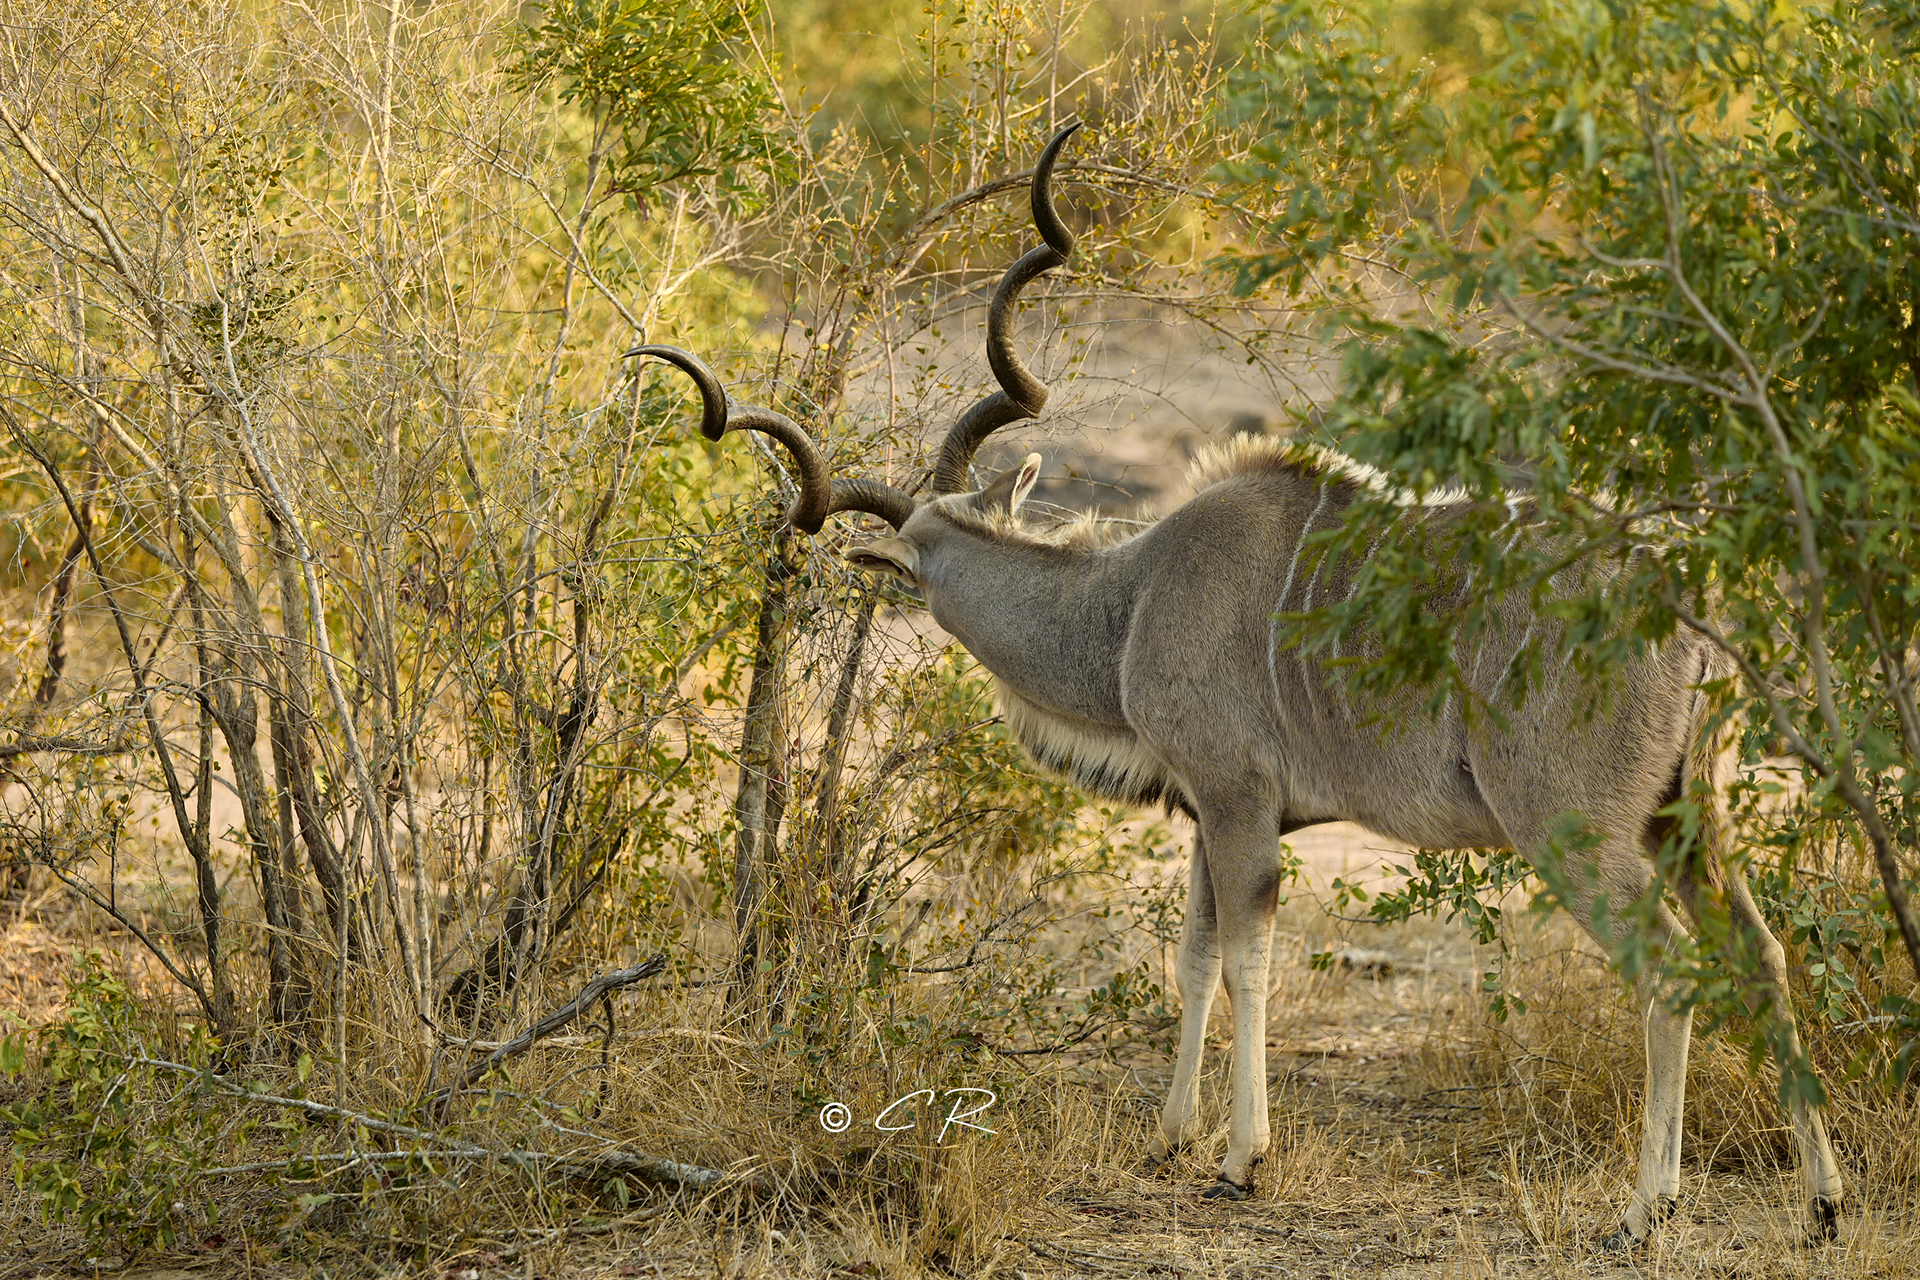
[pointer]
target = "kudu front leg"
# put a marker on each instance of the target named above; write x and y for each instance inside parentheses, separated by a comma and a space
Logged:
(1197, 974)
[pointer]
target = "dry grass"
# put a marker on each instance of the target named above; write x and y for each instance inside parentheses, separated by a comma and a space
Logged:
(1413, 1137)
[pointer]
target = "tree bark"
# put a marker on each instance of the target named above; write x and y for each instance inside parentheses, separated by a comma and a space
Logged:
(760, 799)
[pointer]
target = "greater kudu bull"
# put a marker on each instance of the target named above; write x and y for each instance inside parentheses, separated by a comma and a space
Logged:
(1146, 665)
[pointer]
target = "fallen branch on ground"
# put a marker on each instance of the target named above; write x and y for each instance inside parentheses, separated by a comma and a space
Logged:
(612, 1160)
(565, 1014)
(620, 1037)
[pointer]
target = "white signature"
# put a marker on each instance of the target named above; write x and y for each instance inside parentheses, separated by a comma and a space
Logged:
(836, 1117)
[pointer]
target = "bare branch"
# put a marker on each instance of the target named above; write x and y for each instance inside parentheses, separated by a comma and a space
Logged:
(565, 1014)
(613, 1159)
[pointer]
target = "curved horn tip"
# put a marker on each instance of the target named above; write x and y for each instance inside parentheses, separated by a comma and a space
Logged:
(1058, 141)
(672, 354)
(713, 396)
(1046, 219)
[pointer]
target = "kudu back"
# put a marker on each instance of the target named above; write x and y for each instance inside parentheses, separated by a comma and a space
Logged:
(1148, 666)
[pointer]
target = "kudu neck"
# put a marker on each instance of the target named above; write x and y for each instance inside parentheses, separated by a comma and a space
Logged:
(1048, 621)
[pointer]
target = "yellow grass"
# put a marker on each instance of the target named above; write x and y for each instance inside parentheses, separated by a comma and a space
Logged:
(1413, 1137)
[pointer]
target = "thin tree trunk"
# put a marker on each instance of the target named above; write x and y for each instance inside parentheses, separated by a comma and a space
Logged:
(824, 839)
(64, 584)
(760, 800)
(198, 838)
(289, 717)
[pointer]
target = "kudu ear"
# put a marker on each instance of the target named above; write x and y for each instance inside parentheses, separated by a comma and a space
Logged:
(886, 555)
(1010, 488)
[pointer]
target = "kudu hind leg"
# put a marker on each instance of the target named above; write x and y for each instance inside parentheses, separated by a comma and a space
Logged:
(1819, 1169)
(1197, 973)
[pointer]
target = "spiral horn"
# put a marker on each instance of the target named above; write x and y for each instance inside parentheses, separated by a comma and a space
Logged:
(819, 496)
(1021, 394)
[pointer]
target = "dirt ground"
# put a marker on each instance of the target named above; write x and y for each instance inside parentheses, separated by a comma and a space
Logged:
(1392, 1157)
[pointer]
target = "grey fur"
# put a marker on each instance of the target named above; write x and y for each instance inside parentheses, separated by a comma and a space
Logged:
(1144, 667)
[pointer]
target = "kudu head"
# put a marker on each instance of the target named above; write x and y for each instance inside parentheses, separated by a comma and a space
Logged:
(919, 522)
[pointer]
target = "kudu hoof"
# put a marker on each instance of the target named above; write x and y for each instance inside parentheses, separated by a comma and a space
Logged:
(1159, 1157)
(1226, 1189)
(1624, 1240)
(1823, 1222)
